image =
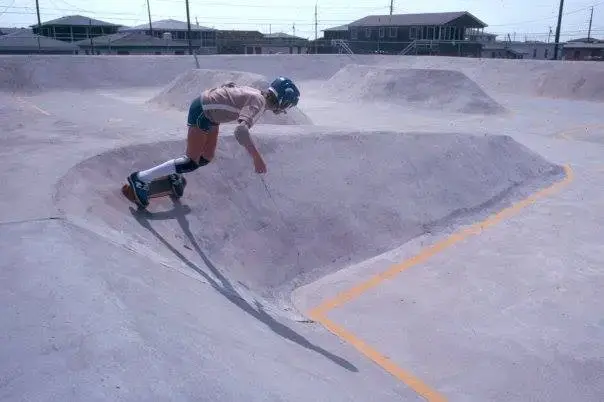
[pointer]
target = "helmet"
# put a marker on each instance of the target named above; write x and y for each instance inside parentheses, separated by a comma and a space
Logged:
(286, 93)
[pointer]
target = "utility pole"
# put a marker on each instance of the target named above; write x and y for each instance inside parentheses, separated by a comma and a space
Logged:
(558, 30)
(189, 28)
(316, 29)
(590, 21)
(149, 12)
(391, 6)
(39, 24)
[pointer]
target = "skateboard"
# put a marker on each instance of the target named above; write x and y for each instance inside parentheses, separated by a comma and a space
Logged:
(159, 187)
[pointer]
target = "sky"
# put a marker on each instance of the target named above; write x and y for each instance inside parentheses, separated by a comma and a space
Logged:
(521, 19)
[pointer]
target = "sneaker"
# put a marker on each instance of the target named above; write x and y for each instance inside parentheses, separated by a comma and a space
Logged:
(177, 184)
(140, 189)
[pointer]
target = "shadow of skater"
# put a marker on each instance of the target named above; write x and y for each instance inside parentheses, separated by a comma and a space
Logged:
(223, 285)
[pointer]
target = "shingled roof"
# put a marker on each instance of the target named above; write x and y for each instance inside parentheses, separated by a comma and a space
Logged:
(77, 20)
(25, 39)
(414, 19)
(168, 25)
(131, 39)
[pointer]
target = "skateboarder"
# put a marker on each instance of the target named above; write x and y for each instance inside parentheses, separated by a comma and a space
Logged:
(226, 103)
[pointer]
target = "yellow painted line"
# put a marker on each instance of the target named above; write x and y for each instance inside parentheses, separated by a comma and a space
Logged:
(319, 313)
(44, 112)
(415, 383)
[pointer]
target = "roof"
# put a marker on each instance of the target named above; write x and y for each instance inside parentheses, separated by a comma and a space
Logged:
(415, 19)
(131, 39)
(168, 25)
(6, 31)
(585, 40)
(581, 45)
(338, 28)
(26, 39)
(282, 35)
(77, 20)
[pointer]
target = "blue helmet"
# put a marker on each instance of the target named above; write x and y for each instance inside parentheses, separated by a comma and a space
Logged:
(286, 93)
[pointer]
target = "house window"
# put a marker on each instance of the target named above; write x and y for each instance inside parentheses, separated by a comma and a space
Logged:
(392, 31)
(413, 33)
(353, 33)
(534, 53)
(382, 32)
(368, 32)
(430, 32)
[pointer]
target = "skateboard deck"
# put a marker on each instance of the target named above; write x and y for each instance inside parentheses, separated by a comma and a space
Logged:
(159, 187)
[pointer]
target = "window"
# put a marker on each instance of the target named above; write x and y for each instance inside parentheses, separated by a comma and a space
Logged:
(368, 32)
(392, 32)
(413, 33)
(353, 33)
(382, 32)
(534, 53)
(430, 32)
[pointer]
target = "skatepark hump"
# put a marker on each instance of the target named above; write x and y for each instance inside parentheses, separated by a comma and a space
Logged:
(434, 89)
(329, 200)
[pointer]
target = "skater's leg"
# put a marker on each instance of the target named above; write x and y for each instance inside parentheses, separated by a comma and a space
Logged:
(201, 142)
(201, 146)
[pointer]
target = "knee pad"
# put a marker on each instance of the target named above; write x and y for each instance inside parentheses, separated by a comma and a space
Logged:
(184, 164)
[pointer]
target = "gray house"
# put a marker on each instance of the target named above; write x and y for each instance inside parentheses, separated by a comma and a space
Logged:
(426, 33)
(202, 38)
(24, 41)
(125, 43)
(73, 28)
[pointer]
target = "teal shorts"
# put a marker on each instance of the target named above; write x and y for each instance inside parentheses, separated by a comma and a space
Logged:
(196, 118)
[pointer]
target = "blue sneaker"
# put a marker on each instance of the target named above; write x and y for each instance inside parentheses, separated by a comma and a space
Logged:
(140, 189)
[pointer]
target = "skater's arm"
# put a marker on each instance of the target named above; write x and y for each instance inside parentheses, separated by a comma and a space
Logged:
(242, 134)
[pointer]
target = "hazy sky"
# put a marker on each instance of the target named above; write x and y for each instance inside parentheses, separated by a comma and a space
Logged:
(529, 19)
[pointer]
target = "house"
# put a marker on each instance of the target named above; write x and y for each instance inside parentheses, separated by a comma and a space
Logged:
(234, 41)
(125, 43)
(427, 33)
(500, 50)
(24, 41)
(203, 39)
(508, 49)
(339, 32)
(278, 43)
(583, 49)
(74, 28)
(6, 31)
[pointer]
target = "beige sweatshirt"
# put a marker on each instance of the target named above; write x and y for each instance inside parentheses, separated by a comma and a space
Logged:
(230, 103)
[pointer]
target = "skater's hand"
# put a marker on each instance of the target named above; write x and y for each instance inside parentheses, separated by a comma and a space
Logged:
(259, 165)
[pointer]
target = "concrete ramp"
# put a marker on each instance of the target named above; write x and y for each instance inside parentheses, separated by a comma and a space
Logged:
(184, 88)
(572, 80)
(434, 89)
(327, 201)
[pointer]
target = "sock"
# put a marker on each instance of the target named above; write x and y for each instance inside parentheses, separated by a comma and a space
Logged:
(164, 169)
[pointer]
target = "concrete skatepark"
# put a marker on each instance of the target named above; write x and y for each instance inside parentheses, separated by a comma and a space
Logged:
(429, 228)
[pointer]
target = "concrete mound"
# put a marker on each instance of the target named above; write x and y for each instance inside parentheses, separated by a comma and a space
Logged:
(433, 89)
(179, 93)
(329, 200)
(552, 79)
